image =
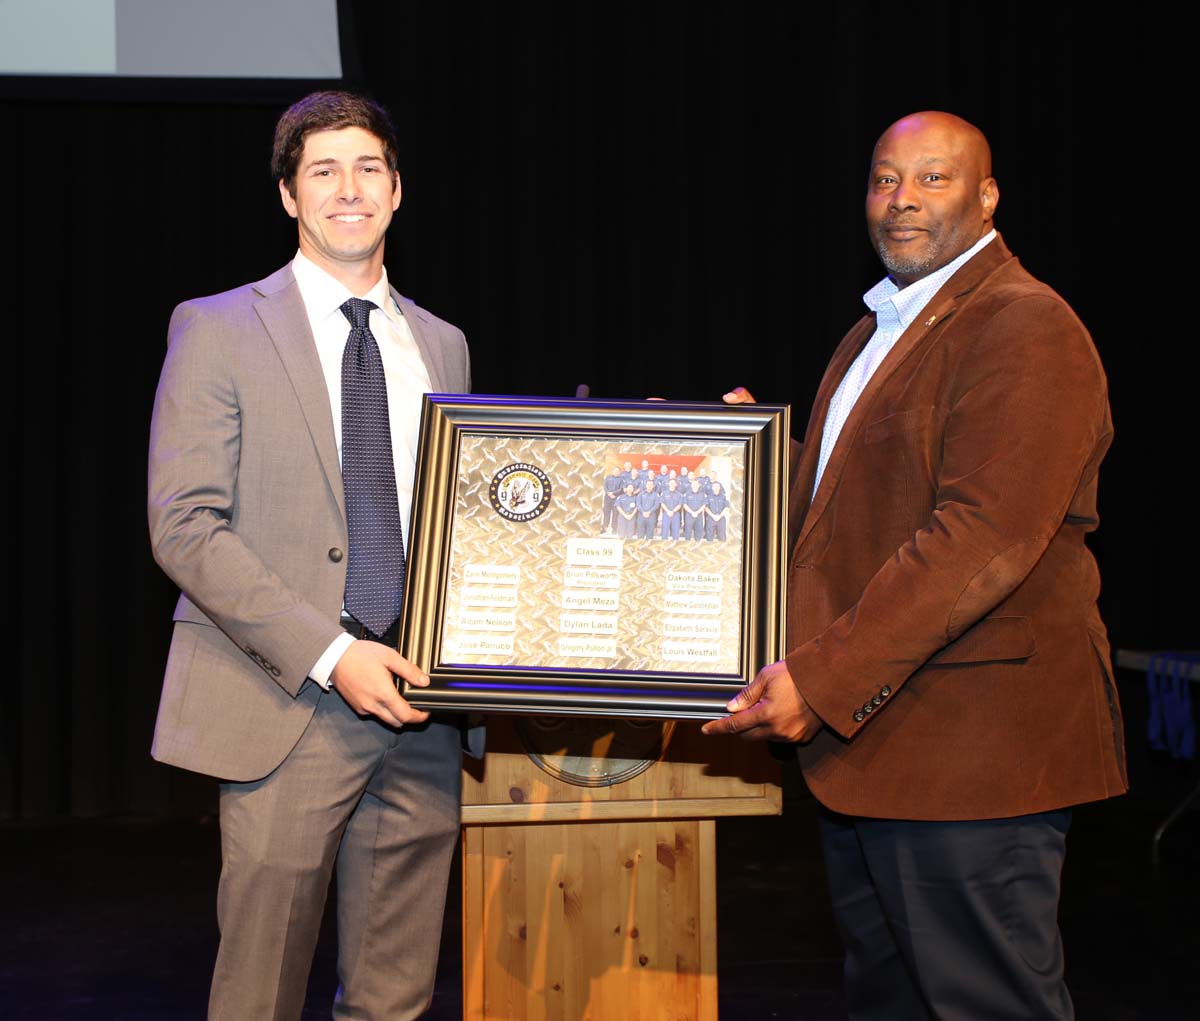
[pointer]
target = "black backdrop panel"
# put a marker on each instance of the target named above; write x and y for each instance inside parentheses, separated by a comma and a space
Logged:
(653, 202)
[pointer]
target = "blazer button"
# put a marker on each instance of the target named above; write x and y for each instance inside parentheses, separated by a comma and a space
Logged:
(868, 708)
(335, 554)
(885, 691)
(877, 700)
(859, 716)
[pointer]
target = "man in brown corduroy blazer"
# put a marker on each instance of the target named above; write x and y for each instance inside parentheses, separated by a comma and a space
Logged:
(947, 676)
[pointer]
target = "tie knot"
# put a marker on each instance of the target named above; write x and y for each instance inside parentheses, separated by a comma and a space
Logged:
(358, 311)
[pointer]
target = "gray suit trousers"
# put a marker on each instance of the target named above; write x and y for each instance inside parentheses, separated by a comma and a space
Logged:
(383, 804)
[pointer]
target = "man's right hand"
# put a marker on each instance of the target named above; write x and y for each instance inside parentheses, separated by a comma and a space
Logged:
(363, 677)
(738, 395)
(769, 708)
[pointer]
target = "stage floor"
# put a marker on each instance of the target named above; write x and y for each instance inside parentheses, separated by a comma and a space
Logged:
(113, 919)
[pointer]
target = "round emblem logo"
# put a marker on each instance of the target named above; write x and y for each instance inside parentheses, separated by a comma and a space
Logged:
(520, 492)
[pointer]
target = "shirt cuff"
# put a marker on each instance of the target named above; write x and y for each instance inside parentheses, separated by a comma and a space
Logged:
(329, 659)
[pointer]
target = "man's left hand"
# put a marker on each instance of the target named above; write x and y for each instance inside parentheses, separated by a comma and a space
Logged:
(769, 708)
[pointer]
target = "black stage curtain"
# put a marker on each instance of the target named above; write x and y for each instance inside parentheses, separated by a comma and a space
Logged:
(644, 198)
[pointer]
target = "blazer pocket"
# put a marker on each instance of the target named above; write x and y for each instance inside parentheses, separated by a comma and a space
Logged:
(913, 420)
(991, 640)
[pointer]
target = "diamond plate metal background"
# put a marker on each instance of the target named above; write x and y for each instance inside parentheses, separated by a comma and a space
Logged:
(576, 469)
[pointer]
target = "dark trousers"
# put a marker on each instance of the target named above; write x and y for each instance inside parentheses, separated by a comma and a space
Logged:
(608, 513)
(953, 921)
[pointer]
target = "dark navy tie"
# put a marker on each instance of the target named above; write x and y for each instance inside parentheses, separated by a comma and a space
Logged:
(375, 569)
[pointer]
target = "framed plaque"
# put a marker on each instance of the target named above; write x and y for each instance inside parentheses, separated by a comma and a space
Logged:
(595, 557)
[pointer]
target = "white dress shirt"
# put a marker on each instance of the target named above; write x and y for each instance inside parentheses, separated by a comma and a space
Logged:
(405, 373)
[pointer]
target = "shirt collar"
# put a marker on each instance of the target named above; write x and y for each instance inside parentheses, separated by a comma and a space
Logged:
(324, 295)
(896, 307)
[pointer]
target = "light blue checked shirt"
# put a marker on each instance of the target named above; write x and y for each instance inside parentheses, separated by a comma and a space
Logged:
(895, 310)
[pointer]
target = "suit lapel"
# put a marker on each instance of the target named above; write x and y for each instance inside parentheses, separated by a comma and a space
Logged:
(431, 354)
(932, 317)
(861, 412)
(839, 365)
(281, 310)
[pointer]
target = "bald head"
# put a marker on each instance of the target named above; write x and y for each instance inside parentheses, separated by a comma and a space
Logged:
(946, 128)
(930, 195)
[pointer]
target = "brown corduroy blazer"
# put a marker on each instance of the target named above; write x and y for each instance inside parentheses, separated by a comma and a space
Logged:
(942, 615)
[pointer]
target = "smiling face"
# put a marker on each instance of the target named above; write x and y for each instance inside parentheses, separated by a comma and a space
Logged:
(930, 195)
(343, 202)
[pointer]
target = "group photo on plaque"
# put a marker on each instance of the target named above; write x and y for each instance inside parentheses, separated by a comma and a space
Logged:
(668, 503)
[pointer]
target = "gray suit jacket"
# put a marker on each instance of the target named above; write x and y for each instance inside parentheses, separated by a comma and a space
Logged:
(247, 517)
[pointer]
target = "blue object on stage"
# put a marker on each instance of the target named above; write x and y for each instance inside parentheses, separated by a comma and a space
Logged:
(1172, 726)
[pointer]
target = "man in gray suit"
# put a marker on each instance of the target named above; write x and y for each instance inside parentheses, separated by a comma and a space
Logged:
(270, 686)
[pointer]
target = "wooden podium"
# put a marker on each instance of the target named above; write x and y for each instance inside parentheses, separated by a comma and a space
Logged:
(589, 867)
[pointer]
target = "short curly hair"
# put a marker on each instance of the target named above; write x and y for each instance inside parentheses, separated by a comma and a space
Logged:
(327, 111)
